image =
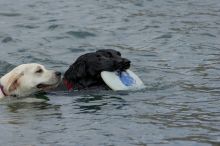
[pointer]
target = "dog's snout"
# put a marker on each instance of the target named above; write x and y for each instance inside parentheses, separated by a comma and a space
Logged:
(122, 64)
(126, 61)
(57, 73)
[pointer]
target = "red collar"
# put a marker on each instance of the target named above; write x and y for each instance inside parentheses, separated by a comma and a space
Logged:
(2, 89)
(68, 85)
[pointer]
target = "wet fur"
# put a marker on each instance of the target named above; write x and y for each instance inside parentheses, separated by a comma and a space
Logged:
(27, 79)
(85, 71)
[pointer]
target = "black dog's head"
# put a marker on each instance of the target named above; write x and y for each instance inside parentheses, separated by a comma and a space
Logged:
(115, 56)
(89, 66)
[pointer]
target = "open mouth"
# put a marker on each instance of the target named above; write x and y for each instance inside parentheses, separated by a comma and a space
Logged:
(47, 86)
(43, 85)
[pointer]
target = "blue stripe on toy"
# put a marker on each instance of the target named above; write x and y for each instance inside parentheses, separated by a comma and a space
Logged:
(126, 79)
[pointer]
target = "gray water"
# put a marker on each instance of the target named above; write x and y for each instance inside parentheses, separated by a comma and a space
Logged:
(174, 46)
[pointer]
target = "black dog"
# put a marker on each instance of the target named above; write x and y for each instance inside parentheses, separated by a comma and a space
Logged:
(85, 72)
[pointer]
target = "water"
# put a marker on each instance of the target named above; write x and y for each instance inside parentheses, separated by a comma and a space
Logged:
(173, 45)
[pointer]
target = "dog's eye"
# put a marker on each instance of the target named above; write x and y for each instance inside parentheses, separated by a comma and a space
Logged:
(39, 71)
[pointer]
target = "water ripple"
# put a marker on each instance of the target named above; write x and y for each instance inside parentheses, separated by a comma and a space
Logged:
(173, 46)
(9, 14)
(81, 34)
(7, 39)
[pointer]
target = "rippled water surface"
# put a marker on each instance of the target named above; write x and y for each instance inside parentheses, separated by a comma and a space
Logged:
(174, 46)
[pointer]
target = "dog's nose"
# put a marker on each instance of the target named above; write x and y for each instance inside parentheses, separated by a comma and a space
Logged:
(57, 73)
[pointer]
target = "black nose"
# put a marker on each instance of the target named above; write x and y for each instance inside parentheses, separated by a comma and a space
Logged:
(57, 73)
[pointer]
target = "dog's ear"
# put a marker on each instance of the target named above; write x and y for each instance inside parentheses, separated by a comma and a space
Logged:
(80, 69)
(92, 71)
(76, 70)
(13, 82)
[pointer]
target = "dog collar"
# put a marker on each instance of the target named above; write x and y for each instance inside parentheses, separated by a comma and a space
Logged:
(68, 85)
(2, 89)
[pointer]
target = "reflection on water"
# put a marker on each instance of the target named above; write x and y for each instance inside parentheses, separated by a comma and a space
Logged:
(94, 103)
(173, 46)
